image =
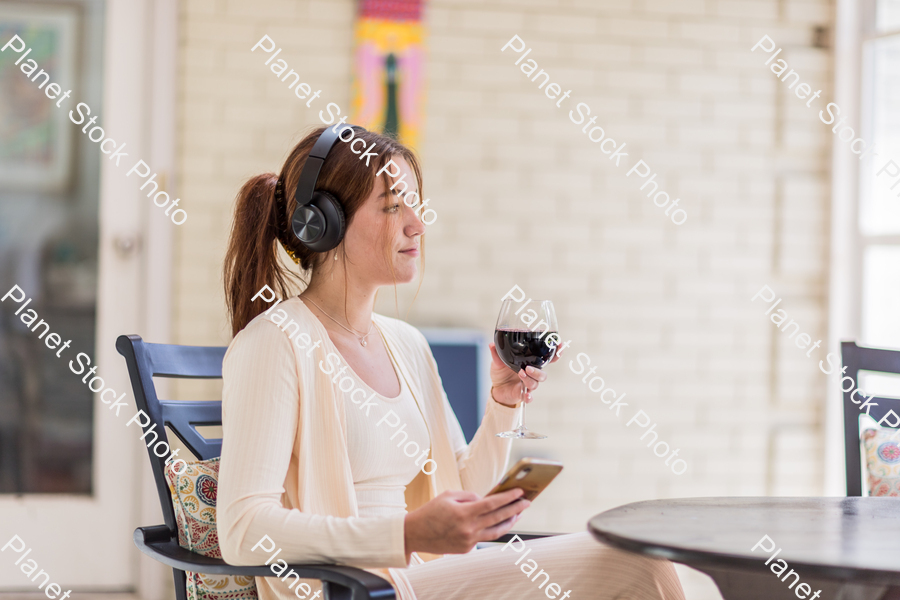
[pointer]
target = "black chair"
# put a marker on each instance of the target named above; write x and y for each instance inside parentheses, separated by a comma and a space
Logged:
(463, 358)
(145, 361)
(857, 358)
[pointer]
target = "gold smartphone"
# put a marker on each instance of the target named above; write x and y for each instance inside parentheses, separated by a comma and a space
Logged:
(530, 474)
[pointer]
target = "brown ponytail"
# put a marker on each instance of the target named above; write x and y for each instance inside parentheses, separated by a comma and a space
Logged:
(252, 260)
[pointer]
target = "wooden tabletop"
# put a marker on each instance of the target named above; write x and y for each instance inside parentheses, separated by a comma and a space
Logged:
(848, 539)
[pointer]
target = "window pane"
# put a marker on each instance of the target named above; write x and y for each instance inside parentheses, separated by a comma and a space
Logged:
(877, 383)
(880, 206)
(887, 15)
(881, 289)
(49, 191)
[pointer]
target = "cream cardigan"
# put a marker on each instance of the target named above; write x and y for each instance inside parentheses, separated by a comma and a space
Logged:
(285, 470)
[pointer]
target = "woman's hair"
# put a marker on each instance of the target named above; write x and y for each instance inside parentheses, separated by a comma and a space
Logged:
(252, 260)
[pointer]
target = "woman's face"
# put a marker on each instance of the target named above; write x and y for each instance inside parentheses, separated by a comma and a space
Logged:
(385, 220)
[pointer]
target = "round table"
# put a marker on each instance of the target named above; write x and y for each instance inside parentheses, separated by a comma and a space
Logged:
(832, 543)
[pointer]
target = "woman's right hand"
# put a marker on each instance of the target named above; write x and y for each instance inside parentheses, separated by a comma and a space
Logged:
(453, 522)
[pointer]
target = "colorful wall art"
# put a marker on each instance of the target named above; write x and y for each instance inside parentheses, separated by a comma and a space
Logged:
(389, 86)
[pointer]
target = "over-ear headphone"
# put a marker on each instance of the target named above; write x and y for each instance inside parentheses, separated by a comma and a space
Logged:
(318, 221)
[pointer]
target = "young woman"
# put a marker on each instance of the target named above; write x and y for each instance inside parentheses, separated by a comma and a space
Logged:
(324, 399)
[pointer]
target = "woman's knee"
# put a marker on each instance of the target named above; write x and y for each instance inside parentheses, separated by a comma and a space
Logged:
(662, 569)
(663, 574)
(654, 569)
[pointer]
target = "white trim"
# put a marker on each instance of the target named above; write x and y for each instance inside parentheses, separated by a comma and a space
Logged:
(884, 34)
(844, 280)
(154, 579)
(162, 66)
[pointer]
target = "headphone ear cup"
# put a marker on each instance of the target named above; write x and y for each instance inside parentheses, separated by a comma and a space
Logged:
(335, 221)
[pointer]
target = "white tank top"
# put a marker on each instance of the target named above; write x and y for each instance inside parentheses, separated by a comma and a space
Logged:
(381, 470)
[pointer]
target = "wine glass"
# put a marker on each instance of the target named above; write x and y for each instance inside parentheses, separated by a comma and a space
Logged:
(522, 342)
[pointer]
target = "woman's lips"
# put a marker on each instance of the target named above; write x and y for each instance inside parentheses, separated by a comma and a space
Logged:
(411, 252)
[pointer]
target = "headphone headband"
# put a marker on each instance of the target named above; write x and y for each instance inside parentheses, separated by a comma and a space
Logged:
(318, 219)
(310, 173)
(306, 186)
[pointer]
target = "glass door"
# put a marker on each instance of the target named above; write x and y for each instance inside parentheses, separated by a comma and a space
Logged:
(49, 228)
(70, 279)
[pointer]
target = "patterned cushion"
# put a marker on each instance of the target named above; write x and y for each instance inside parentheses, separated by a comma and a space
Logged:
(194, 497)
(883, 461)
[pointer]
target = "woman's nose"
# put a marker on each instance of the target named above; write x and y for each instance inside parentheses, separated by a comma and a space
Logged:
(414, 225)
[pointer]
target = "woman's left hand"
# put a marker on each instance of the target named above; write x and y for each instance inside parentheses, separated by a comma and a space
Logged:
(507, 385)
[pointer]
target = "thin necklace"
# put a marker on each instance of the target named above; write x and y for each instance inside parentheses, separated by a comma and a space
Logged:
(362, 340)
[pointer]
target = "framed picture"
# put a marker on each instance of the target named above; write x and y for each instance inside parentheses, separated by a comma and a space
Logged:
(35, 135)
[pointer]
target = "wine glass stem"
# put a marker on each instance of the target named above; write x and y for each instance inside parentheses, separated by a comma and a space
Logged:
(522, 414)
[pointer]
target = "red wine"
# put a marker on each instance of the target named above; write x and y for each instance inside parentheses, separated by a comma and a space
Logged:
(521, 348)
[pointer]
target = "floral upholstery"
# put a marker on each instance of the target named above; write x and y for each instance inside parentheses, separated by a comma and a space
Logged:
(883, 461)
(194, 497)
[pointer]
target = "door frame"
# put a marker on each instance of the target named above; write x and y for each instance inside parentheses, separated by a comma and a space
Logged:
(154, 580)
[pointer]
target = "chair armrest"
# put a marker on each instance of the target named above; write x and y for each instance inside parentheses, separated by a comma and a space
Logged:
(340, 582)
(523, 535)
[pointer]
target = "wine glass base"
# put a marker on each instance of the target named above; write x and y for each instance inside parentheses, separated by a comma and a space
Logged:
(520, 433)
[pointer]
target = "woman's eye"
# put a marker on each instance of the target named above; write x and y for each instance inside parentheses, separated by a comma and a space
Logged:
(393, 208)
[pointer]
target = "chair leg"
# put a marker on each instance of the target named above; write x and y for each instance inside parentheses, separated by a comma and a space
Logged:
(180, 584)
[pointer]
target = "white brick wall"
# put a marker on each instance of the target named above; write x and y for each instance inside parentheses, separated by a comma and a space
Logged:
(663, 310)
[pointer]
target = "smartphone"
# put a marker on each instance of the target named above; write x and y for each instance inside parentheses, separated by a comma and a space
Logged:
(530, 474)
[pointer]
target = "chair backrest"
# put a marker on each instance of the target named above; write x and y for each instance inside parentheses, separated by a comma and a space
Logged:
(856, 359)
(146, 361)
